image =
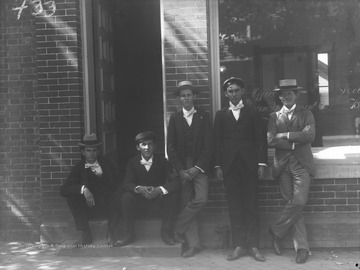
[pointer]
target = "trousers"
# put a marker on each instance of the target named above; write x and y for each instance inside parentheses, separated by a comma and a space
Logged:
(294, 182)
(108, 207)
(241, 186)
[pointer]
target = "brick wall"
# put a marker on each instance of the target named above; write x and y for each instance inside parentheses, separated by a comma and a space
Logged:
(20, 193)
(325, 196)
(41, 113)
(60, 101)
(185, 49)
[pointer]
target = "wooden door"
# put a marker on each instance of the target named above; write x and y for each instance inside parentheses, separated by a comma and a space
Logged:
(104, 76)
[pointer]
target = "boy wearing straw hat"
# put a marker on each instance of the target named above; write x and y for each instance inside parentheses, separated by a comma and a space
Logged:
(291, 131)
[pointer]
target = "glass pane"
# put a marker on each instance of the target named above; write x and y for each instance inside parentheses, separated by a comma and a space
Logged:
(316, 42)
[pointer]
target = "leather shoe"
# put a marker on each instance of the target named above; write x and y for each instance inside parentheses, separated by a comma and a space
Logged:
(179, 238)
(167, 238)
(237, 253)
(125, 241)
(110, 237)
(191, 252)
(276, 245)
(255, 253)
(302, 255)
(85, 239)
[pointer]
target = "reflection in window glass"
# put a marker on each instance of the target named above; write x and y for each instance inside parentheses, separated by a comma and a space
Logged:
(315, 42)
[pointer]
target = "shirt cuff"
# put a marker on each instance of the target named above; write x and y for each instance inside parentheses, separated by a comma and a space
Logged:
(288, 135)
(217, 166)
(82, 189)
(164, 191)
(135, 189)
(262, 164)
(293, 146)
(201, 170)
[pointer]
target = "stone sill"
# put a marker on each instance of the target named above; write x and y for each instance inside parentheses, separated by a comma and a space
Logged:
(334, 162)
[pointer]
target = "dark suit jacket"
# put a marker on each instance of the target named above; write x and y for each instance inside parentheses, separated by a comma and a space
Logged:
(160, 174)
(245, 136)
(279, 123)
(79, 176)
(202, 140)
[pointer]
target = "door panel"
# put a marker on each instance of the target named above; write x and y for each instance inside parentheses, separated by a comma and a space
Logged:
(104, 74)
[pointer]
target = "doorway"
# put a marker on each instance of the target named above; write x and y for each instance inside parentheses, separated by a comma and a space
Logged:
(138, 74)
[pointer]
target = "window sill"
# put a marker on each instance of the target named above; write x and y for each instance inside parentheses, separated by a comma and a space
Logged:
(333, 162)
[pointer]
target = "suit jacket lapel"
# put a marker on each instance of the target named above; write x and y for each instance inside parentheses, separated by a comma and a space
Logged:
(295, 115)
(196, 123)
(139, 165)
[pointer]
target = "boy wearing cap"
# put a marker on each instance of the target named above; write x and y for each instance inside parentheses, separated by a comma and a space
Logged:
(240, 161)
(150, 185)
(291, 131)
(189, 147)
(91, 191)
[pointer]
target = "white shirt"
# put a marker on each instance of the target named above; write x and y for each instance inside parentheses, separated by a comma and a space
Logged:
(188, 115)
(236, 109)
(288, 111)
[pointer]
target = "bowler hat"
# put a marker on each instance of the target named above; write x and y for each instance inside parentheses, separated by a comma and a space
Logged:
(233, 80)
(184, 85)
(147, 135)
(90, 140)
(287, 84)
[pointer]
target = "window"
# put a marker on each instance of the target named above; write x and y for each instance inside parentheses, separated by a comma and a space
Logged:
(315, 42)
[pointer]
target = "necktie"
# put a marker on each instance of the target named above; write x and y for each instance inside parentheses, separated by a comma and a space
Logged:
(95, 168)
(289, 113)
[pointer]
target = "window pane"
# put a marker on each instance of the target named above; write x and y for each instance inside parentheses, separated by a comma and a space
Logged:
(316, 42)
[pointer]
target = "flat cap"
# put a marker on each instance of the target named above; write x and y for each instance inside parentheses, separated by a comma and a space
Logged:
(146, 135)
(233, 80)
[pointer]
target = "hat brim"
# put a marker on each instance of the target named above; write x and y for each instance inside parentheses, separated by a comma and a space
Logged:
(90, 144)
(287, 89)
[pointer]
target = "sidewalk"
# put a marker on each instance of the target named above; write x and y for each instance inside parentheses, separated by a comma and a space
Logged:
(18, 255)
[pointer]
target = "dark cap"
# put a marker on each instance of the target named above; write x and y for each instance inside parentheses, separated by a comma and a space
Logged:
(233, 80)
(147, 135)
(90, 140)
(287, 84)
(185, 85)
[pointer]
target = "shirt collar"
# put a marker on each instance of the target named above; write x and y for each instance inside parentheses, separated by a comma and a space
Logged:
(285, 109)
(150, 159)
(192, 110)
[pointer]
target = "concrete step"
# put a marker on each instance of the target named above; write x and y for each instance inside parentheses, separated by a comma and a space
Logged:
(147, 243)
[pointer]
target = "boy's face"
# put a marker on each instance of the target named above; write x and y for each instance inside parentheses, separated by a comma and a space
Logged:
(234, 93)
(146, 148)
(187, 97)
(90, 153)
(288, 98)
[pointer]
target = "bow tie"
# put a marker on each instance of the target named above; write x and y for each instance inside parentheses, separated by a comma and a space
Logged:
(189, 113)
(237, 107)
(144, 162)
(95, 168)
(287, 112)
